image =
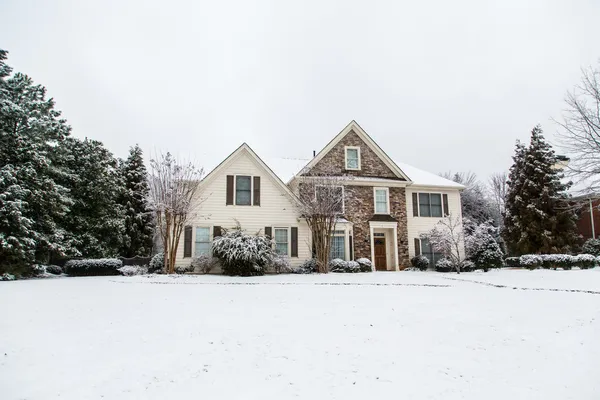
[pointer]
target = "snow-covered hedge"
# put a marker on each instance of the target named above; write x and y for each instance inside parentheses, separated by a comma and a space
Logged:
(243, 254)
(204, 263)
(591, 246)
(339, 265)
(131, 270)
(93, 267)
(468, 266)
(7, 277)
(54, 269)
(585, 261)
(281, 265)
(420, 262)
(564, 261)
(157, 263)
(307, 267)
(365, 264)
(182, 269)
(444, 265)
(531, 261)
(512, 262)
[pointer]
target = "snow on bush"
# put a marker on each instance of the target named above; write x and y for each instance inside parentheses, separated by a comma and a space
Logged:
(444, 265)
(482, 248)
(564, 261)
(182, 269)
(157, 263)
(339, 265)
(585, 261)
(281, 265)
(512, 262)
(243, 254)
(591, 246)
(365, 264)
(93, 267)
(307, 267)
(54, 269)
(7, 277)
(420, 262)
(204, 263)
(353, 266)
(468, 266)
(531, 261)
(131, 270)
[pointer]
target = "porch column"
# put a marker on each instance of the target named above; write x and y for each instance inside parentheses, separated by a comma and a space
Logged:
(372, 246)
(396, 247)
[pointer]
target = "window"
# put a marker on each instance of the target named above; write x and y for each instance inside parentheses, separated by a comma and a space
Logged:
(381, 201)
(243, 191)
(430, 253)
(352, 157)
(330, 196)
(338, 248)
(430, 205)
(202, 241)
(281, 241)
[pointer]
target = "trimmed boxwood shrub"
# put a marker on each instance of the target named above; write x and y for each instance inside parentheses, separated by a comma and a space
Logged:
(307, 267)
(512, 262)
(93, 267)
(530, 261)
(585, 261)
(365, 264)
(591, 246)
(339, 265)
(420, 262)
(157, 263)
(564, 261)
(468, 266)
(444, 265)
(54, 269)
(131, 270)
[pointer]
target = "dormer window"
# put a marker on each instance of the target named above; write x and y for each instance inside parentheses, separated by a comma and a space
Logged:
(352, 157)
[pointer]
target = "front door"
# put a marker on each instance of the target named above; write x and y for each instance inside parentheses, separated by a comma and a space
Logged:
(380, 256)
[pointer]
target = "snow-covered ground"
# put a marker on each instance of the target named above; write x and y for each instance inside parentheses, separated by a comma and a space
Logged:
(408, 335)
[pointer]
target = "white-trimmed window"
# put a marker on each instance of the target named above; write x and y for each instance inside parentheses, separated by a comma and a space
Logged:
(330, 195)
(352, 157)
(430, 205)
(243, 190)
(282, 241)
(338, 245)
(428, 251)
(202, 244)
(382, 200)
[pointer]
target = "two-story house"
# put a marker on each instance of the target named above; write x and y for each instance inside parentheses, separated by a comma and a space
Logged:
(387, 206)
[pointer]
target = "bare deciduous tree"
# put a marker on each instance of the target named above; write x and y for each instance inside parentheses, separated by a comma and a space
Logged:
(497, 188)
(580, 129)
(447, 237)
(174, 194)
(321, 205)
(474, 200)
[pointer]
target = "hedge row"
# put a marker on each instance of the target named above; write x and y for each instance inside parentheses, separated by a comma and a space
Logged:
(93, 267)
(548, 261)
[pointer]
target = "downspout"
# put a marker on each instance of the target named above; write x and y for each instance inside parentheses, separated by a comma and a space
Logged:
(592, 219)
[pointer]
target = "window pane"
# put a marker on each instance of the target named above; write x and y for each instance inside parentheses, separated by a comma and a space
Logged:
(337, 247)
(202, 234)
(352, 158)
(381, 201)
(202, 245)
(202, 248)
(424, 208)
(242, 190)
(436, 205)
(281, 241)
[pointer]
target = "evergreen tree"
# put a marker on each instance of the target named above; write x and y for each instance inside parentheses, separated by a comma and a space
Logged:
(95, 223)
(139, 226)
(31, 202)
(537, 219)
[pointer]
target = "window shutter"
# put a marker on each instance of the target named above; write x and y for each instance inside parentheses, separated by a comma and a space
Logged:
(268, 232)
(187, 241)
(294, 241)
(446, 209)
(216, 231)
(256, 191)
(350, 244)
(415, 205)
(229, 195)
(417, 247)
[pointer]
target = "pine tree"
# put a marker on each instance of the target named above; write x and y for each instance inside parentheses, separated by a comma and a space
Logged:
(139, 226)
(31, 202)
(95, 224)
(537, 219)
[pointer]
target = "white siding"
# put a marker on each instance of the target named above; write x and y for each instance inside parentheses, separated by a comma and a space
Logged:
(276, 208)
(420, 225)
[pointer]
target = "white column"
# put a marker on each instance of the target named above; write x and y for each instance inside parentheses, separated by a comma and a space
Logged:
(396, 247)
(372, 246)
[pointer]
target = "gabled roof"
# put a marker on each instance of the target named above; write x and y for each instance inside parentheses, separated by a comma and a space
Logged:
(353, 126)
(245, 148)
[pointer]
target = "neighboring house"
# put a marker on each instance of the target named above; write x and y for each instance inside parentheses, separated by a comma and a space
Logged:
(588, 224)
(243, 189)
(387, 206)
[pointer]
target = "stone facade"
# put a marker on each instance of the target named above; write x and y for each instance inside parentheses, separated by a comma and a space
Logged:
(334, 162)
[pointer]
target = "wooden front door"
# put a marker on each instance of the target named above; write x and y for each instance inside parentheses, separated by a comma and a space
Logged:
(380, 256)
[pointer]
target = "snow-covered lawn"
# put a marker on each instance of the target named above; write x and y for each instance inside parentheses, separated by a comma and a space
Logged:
(408, 335)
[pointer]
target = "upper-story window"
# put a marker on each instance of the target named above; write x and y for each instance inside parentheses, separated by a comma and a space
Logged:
(430, 205)
(352, 157)
(243, 190)
(382, 200)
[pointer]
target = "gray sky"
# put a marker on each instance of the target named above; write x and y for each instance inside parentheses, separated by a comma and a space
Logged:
(440, 85)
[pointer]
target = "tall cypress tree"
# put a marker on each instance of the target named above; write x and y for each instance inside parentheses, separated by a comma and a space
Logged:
(139, 226)
(537, 218)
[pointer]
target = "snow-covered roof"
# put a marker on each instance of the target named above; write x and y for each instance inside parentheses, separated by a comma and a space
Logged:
(424, 178)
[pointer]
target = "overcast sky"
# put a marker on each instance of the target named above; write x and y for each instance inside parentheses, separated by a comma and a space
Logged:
(443, 85)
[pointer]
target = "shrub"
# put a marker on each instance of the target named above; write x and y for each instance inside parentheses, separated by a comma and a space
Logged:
(307, 267)
(353, 266)
(54, 269)
(204, 263)
(281, 265)
(488, 254)
(182, 269)
(157, 263)
(591, 246)
(564, 261)
(444, 265)
(365, 264)
(420, 262)
(131, 270)
(585, 261)
(468, 266)
(7, 277)
(530, 261)
(513, 262)
(93, 267)
(337, 265)
(243, 254)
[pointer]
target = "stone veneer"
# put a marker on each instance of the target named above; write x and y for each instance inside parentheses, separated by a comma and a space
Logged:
(334, 162)
(359, 209)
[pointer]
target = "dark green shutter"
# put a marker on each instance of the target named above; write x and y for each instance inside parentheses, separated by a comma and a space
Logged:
(256, 201)
(417, 247)
(216, 231)
(268, 232)
(294, 242)
(446, 208)
(415, 199)
(187, 241)
(229, 194)
(350, 245)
